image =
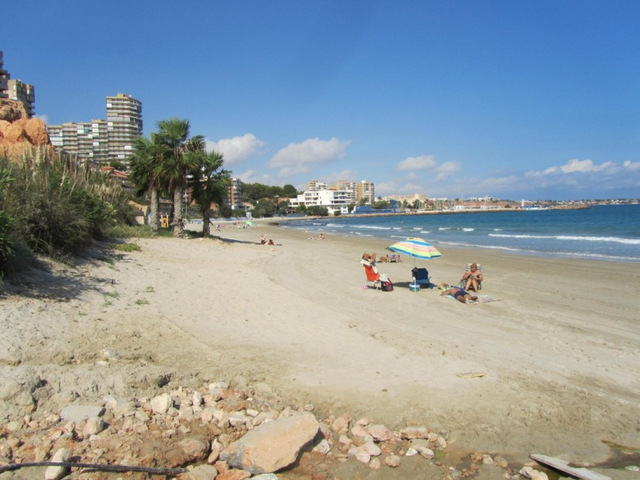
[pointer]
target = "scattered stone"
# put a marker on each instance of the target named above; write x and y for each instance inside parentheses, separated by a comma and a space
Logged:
(392, 461)
(55, 473)
(532, 474)
(161, 404)
(77, 413)
(199, 472)
(341, 424)
(380, 433)
(272, 446)
(93, 426)
(410, 433)
(322, 447)
(234, 475)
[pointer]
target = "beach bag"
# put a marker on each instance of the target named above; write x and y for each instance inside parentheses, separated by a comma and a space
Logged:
(386, 285)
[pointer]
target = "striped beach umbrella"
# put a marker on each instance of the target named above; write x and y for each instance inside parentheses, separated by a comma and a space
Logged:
(415, 247)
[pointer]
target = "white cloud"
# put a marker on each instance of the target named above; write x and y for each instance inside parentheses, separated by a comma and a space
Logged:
(447, 169)
(633, 166)
(579, 166)
(251, 176)
(423, 162)
(394, 187)
(343, 175)
(235, 149)
(300, 157)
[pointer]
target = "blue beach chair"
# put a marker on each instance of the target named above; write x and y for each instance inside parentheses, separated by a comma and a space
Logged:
(421, 277)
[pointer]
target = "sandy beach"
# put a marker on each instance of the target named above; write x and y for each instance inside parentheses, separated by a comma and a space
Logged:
(551, 366)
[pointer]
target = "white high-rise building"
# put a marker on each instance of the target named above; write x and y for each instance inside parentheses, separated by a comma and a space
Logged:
(102, 141)
(124, 124)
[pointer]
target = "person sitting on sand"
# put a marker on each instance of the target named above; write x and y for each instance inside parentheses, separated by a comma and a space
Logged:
(460, 294)
(472, 278)
(369, 258)
(321, 236)
(263, 239)
(271, 242)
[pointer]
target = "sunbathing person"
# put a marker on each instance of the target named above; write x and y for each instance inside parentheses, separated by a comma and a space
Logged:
(460, 294)
(472, 278)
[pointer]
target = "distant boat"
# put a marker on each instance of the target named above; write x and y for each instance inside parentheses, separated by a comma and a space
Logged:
(532, 207)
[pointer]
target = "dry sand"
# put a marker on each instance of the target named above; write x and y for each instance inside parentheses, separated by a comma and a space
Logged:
(554, 363)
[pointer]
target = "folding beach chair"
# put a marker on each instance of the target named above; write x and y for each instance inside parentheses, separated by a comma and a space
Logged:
(463, 282)
(421, 277)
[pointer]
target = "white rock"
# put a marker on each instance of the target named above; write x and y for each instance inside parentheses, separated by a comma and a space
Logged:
(272, 446)
(322, 447)
(487, 460)
(77, 413)
(362, 455)
(93, 426)
(372, 449)
(425, 452)
(55, 473)
(162, 403)
(529, 472)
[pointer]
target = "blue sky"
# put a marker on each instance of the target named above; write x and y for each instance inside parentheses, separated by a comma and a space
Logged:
(513, 99)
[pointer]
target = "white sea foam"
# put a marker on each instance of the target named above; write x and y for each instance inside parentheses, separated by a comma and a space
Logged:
(578, 238)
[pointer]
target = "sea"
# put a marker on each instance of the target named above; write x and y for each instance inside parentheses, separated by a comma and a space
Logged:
(605, 233)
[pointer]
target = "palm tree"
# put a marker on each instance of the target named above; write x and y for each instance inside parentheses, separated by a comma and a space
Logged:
(180, 154)
(142, 173)
(209, 185)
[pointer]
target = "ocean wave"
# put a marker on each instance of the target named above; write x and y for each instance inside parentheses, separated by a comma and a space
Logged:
(579, 238)
(372, 227)
(468, 229)
(540, 253)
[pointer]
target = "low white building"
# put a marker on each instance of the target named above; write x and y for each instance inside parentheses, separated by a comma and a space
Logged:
(334, 200)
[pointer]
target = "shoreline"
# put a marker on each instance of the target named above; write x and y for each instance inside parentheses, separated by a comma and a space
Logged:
(557, 348)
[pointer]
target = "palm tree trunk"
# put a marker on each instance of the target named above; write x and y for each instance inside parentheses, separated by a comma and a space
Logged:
(178, 220)
(155, 208)
(206, 224)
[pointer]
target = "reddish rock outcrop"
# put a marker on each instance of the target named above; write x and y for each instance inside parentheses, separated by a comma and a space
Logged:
(19, 134)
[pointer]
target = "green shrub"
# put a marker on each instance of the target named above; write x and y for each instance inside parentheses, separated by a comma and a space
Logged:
(127, 247)
(56, 205)
(7, 237)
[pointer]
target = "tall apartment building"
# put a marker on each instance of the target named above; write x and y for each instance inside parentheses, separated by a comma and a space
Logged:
(102, 141)
(17, 90)
(4, 79)
(88, 140)
(124, 124)
(314, 185)
(346, 185)
(234, 199)
(25, 93)
(365, 191)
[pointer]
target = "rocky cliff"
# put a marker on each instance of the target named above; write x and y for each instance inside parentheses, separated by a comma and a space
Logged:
(19, 134)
